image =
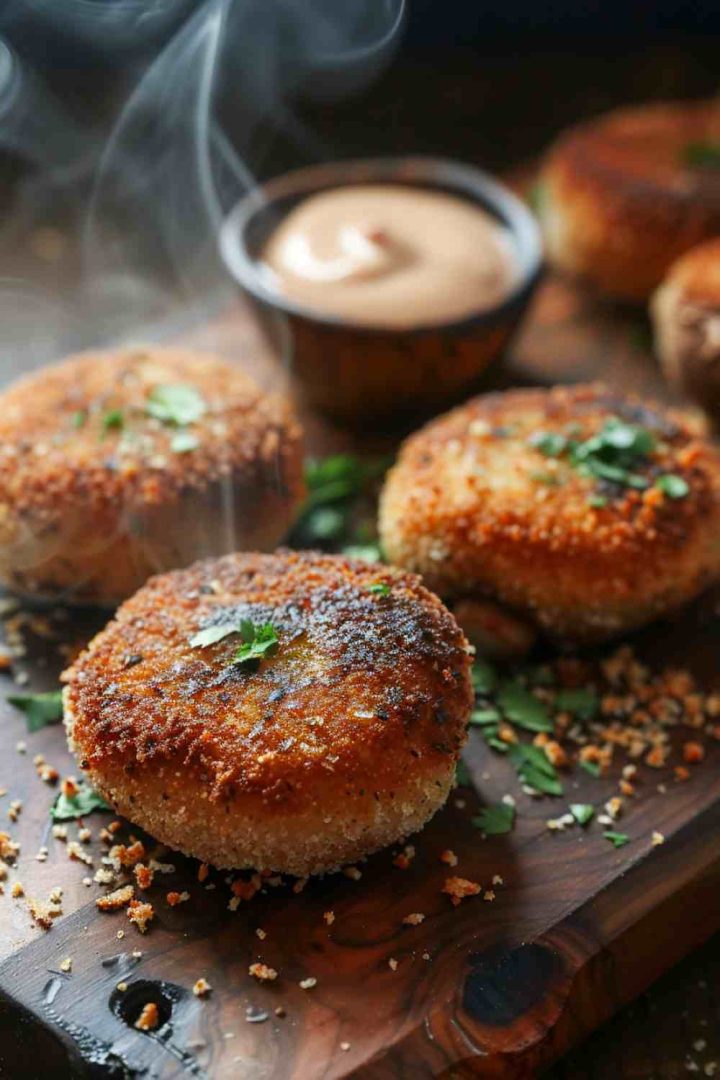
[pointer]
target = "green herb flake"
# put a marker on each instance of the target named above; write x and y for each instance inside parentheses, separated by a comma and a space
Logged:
(70, 807)
(484, 677)
(522, 707)
(258, 642)
(212, 634)
(379, 588)
(703, 155)
(591, 767)
(485, 717)
(494, 743)
(598, 501)
(582, 812)
(551, 444)
(675, 487)
(113, 420)
(580, 702)
(79, 418)
(495, 820)
(617, 839)
(462, 775)
(183, 442)
(40, 709)
(534, 769)
(177, 404)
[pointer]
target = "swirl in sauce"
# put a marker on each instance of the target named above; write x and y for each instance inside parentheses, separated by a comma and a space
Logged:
(391, 255)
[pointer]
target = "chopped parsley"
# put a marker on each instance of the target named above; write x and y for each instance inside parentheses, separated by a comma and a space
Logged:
(177, 404)
(257, 641)
(79, 418)
(82, 803)
(591, 767)
(598, 501)
(617, 839)
(534, 769)
(40, 709)
(521, 707)
(379, 588)
(337, 487)
(488, 717)
(703, 155)
(184, 441)
(675, 487)
(582, 812)
(495, 820)
(581, 702)
(484, 677)
(613, 455)
(113, 420)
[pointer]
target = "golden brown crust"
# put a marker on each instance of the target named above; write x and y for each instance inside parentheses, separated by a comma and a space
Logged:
(96, 507)
(685, 311)
(478, 510)
(355, 722)
(620, 199)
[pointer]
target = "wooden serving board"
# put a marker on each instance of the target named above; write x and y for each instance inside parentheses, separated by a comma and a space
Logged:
(496, 988)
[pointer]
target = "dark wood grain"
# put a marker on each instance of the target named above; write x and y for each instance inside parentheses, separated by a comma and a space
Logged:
(577, 928)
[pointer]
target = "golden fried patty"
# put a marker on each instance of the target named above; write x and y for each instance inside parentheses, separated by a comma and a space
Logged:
(114, 466)
(623, 195)
(589, 512)
(341, 738)
(686, 319)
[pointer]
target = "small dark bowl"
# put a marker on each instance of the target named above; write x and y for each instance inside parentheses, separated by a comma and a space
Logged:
(360, 373)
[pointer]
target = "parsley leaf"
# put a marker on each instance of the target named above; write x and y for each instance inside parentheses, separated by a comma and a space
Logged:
(211, 634)
(523, 708)
(581, 702)
(675, 487)
(69, 807)
(184, 441)
(488, 717)
(582, 812)
(379, 588)
(78, 418)
(258, 642)
(524, 755)
(495, 820)
(462, 775)
(113, 420)
(617, 839)
(591, 767)
(177, 404)
(40, 709)
(484, 677)
(551, 444)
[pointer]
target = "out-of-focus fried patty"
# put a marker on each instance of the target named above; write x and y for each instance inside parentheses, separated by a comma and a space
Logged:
(480, 510)
(686, 318)
(344, 739)
(623, 195)
(101, 487)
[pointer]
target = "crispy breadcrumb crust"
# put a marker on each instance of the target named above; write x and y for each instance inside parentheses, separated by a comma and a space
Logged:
(479, 511)
(619, 201)
(341, 742)
(92, 509)
(685, 311)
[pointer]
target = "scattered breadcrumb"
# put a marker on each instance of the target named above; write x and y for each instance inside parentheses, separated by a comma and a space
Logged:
(353, 873)
(66, 964)
(345, 1046)
(140, 914)
(329, 917)
(77, 852)
(175, 898)
(149, 1018)
(657, 839)
(393, 964)
(406, 856)
(115, 900)
(202, 988)
(414, 919)
(262, 972)
(458, 888)
(203, 871)
(449, 858)
(261, 933)
(17, 890)
(308, 984)
(143, 875)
